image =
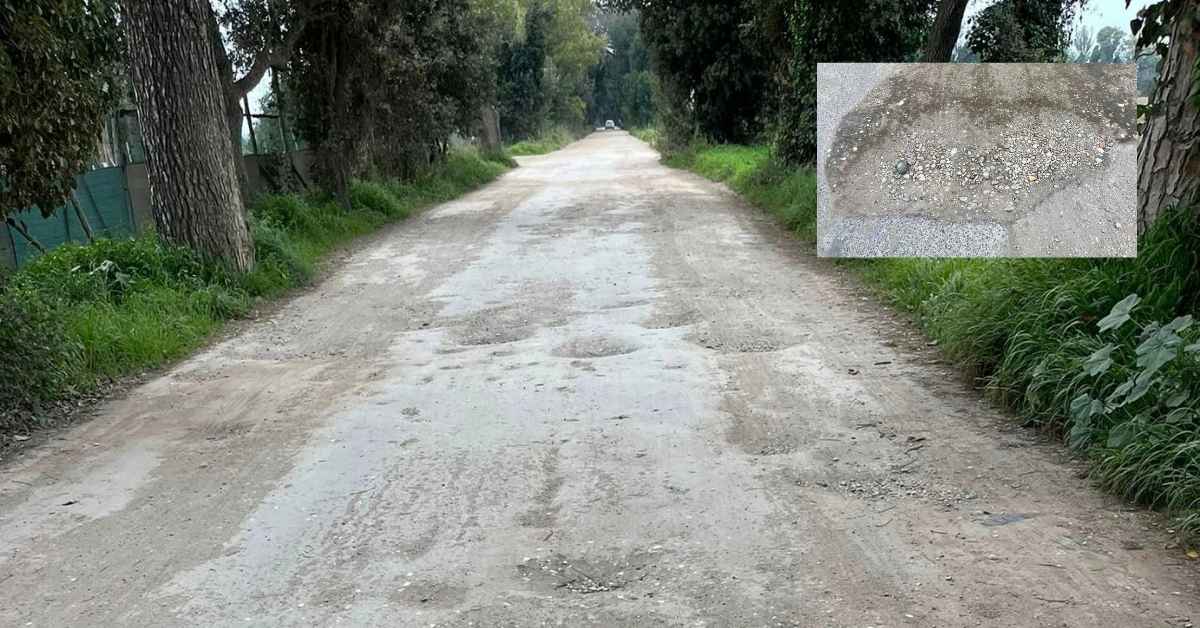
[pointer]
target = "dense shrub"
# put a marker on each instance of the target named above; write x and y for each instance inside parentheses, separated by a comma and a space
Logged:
(41, 360)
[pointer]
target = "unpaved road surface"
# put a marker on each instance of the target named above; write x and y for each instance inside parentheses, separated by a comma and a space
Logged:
(597, 392)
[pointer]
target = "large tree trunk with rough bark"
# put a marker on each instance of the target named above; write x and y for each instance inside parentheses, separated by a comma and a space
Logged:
(944, 35)
(1169, 152)
(194, 192)
(489, 130)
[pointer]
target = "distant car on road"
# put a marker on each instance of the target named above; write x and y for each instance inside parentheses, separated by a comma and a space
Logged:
(610, 126)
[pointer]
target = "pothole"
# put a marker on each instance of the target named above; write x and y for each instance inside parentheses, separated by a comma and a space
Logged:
(594, 347)
(671, 319)
(484, 337)
(981, 176)
(587, 574)
(979, 142)
(740, 340)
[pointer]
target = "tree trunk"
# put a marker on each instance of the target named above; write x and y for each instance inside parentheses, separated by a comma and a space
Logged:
(194, 192)
(944, 35)
(1169, 152)
(489, 134)
(232, 102)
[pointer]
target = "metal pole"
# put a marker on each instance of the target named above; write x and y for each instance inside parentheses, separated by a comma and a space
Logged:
(250, 123)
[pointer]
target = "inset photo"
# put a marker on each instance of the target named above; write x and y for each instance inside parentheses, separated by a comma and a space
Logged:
(977, 160)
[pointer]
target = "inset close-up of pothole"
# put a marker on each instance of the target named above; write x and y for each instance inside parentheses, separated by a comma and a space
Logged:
(985, 159)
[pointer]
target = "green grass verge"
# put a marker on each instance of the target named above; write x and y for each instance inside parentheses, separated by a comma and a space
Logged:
(82, 315)
(790, 193)
(548, 142)
(1126, 397)
(648, 135)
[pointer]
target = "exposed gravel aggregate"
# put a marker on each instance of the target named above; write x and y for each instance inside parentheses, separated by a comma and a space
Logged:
(903, 149)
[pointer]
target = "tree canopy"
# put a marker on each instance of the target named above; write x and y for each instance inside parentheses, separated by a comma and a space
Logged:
(60, 75)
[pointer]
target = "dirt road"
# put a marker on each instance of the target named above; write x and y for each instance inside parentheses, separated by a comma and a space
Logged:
(597, 392)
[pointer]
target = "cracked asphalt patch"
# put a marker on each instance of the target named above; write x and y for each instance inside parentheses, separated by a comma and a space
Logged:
(977, 160)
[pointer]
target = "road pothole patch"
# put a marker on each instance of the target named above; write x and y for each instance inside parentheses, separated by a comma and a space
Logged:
(979, 142)
(670, 319)
(586, 574)
(744, 339)
(589, 347)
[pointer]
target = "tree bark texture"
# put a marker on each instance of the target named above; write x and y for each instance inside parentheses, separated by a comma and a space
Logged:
(232, 101)
(1169, 150)
(194, 191)
(489, 131)
(944, 35)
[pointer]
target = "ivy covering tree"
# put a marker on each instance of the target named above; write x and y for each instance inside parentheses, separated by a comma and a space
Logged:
(1024, 31)
(522, 69)
(715, 80)
(59, 77)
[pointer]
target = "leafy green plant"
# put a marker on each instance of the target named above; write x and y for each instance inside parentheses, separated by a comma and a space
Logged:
(59, 76)
(40, 361)
(1149, 386)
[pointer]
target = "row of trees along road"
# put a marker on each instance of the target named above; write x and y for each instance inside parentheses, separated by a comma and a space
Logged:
(374, 87)
(724, 69)
(1024, 31)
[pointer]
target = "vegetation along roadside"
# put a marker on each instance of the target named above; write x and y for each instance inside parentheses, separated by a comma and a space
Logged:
(84, 315)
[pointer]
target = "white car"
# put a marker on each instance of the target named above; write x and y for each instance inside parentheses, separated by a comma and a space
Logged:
(610, 126)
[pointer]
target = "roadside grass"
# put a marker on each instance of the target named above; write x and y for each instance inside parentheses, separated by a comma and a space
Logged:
(85, 314)
(648, 135)
(546, 142)
(1127, 398)
(789, 193)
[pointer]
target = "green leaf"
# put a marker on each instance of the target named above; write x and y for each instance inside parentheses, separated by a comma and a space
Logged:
(1179, 324)
(1081, 434)
(1158, 349)
(1192, 348)
(1119, 391)
(1120, 313)
(1123, 434)
(1141, 386)
(1177, 399)
(1099, 361)
(1081, 408)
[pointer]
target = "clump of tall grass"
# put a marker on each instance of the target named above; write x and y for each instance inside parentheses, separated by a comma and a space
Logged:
(547, 141)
